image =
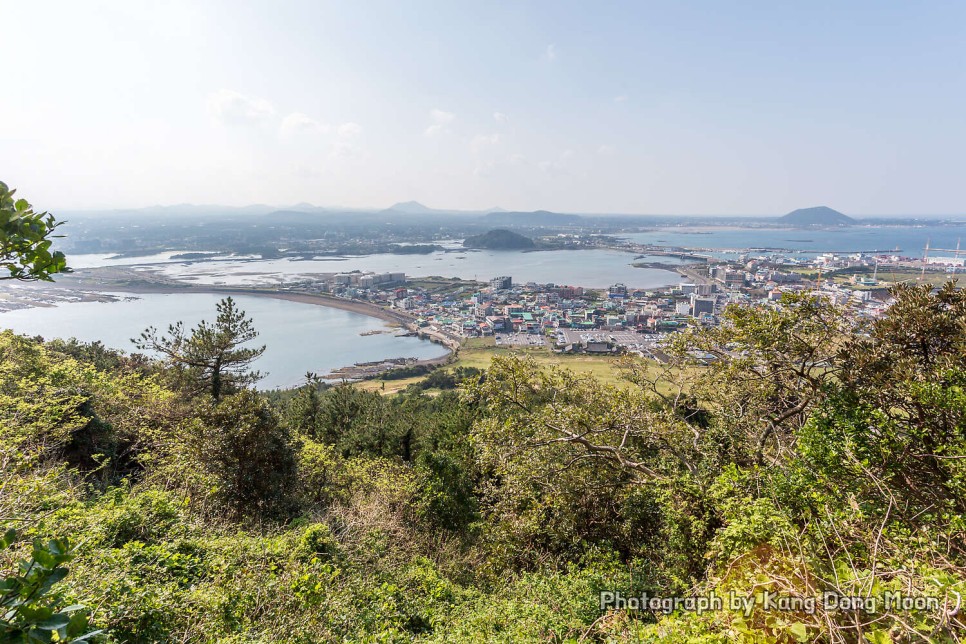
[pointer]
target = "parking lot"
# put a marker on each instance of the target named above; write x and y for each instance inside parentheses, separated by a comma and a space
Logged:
(628, 339)
(519, 340)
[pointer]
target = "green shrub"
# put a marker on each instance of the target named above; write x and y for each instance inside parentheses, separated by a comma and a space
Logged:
(148, 516)
(248, 454)
(30, 609)
(318, 540)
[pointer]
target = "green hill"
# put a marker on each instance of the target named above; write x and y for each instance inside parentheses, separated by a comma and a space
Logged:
(817, 216)
(499, 239)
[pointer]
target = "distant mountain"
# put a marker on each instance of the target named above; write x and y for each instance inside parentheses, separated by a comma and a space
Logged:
(817, 216)
(416, 208)
(411, 208)
(499, 239)
(204, 210)
(305, 207)
(535, 218)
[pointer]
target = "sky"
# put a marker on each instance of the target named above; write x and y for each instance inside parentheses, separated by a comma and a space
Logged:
(621, 107)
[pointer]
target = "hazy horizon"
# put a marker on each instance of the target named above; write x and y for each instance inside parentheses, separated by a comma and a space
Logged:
(375, 209)
(750, 110)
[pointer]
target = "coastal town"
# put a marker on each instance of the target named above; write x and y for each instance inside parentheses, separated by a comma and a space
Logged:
(563, 319)
(621, 318)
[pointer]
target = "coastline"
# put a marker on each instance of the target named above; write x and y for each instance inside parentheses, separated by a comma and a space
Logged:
(353, 306)
(349, 372)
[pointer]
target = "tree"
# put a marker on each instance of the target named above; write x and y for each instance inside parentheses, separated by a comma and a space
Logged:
(249, 454)
(304, 412)
(759, 375)
(25, 240)
(212, 358)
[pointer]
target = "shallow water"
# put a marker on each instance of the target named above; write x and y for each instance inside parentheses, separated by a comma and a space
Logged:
(588, 268)
(299, 337)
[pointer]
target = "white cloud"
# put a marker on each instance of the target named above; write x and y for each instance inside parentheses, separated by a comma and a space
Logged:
(346, 150)
(484, 170)
(561, 166)
(441, 121)
(442, 117)
(228, 106)
(481, 141)
(620, 99)
(299, 123)
(500, 117)
(606, 150)
(550, 53)
(552, 168)
(345, 147)
(349, 130)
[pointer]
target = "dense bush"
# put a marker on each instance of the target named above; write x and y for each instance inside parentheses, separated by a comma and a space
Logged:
(812, 455)
(248, 455)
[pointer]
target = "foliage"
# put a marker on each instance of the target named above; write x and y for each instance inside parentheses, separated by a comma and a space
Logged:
(30, 609)
(445, 379)
(250, 457)
(25, 240)
(409, 371)
(792, 451)
(212, 357)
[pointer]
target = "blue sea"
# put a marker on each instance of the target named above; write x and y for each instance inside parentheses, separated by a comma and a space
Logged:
(910, 240)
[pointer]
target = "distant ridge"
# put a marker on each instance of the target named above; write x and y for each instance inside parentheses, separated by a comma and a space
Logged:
(535, 218)
(416, 208)
(817, 216)
(305, 207)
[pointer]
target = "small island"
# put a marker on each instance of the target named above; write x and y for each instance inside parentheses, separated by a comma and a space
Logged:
(817, 216)
(499, 239)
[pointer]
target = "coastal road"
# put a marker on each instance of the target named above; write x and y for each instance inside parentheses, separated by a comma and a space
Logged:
(695, 276)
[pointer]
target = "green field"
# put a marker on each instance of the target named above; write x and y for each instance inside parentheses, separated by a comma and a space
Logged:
(887, 276)
(602, 367)
(444, 285)
(479, 352)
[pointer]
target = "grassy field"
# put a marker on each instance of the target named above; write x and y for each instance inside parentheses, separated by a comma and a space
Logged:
(602, 367)
(479, 352)
(387, 386)
(887, 276)
(445, 285)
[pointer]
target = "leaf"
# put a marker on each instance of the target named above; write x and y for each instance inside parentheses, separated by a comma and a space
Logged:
(40, 635)
(799, 631)
(55, 575)
(83, 639)
(55, 622)
(878, 637)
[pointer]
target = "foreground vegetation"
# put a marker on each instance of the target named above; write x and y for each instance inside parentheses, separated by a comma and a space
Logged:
(812, 456)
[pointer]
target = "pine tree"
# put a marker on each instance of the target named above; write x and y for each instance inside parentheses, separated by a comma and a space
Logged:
(212, 358)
